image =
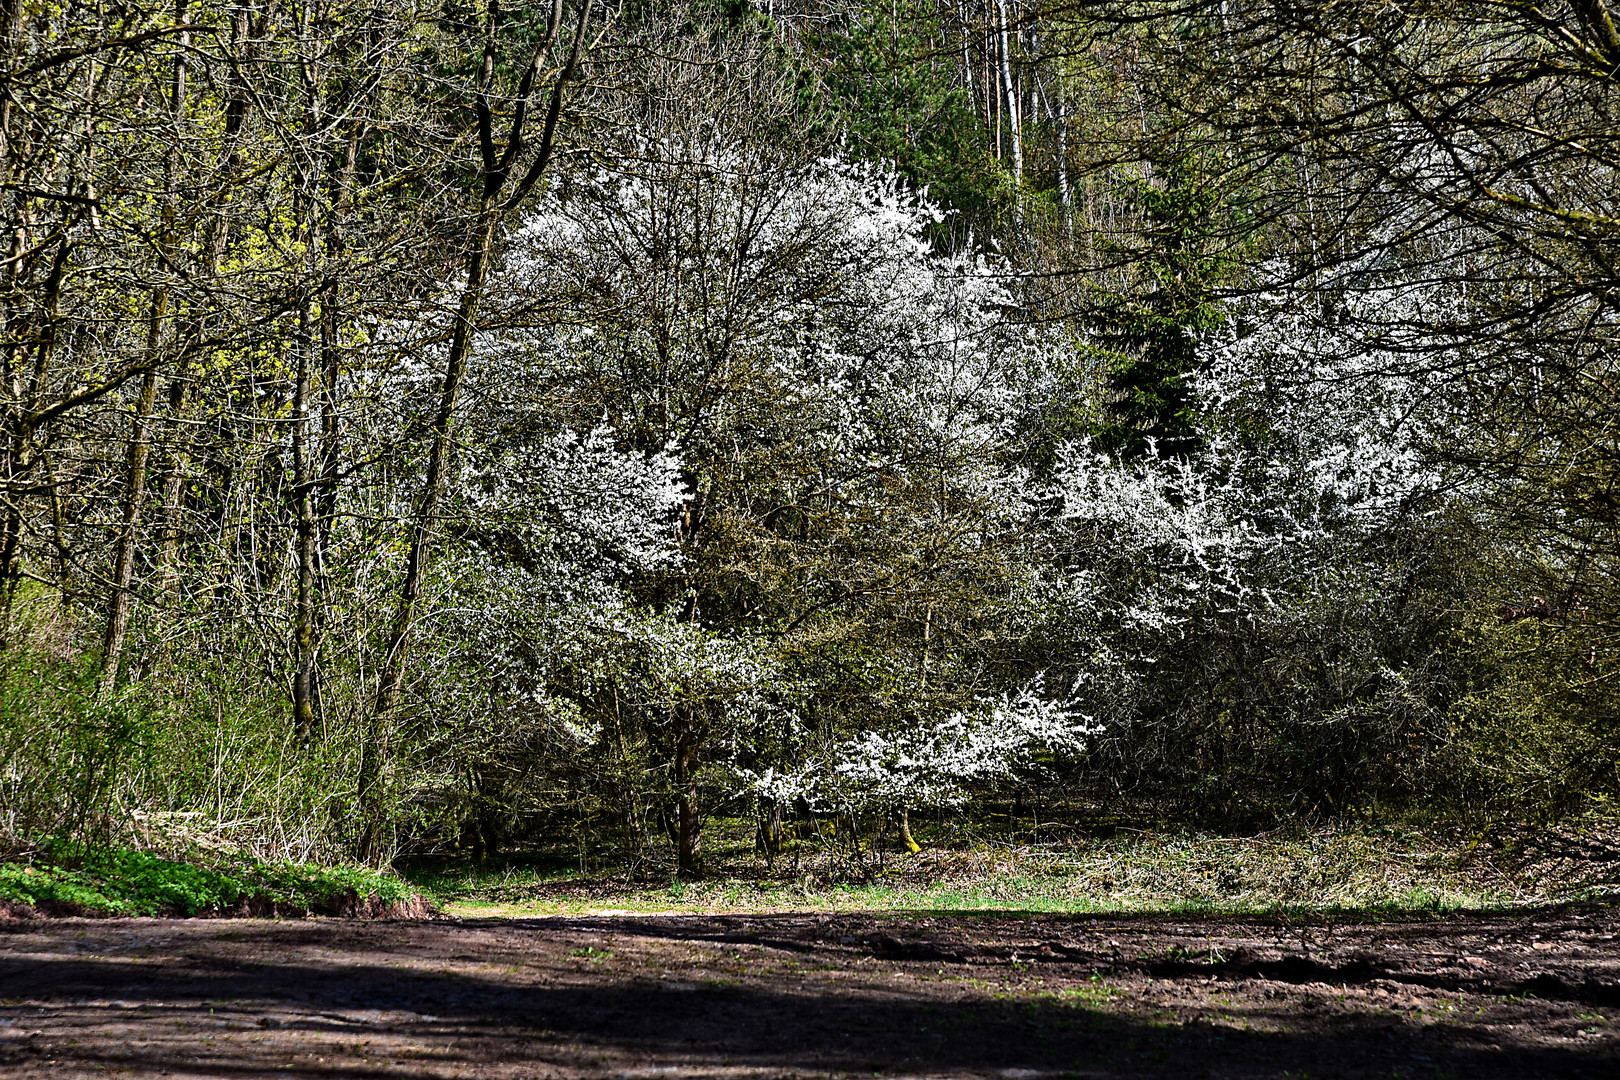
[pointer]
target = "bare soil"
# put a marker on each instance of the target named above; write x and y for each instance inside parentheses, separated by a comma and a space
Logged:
(788, 995)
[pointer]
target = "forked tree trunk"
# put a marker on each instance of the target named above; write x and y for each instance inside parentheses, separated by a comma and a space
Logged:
(494, 204)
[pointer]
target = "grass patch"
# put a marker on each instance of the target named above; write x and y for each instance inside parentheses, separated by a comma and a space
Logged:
(1371, 873)
(122, 881)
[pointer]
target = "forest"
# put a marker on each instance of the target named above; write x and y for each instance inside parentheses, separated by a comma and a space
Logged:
(458, 429)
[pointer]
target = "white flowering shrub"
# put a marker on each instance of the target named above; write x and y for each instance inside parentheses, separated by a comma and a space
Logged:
(740, 489)
(747, 494)
(1331, 414)
(746, 506)
(1241, 614)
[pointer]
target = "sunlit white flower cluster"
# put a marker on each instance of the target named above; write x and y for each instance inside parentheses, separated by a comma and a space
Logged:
(932, 764)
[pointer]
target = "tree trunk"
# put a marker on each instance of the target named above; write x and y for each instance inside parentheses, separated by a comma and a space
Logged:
(122, 602)
(1010, 96)
(1061, 122)
(902, 824)
(496, 172)
(970, 78)
(770, 832)
(992, 95)
(689, 842)
(375, 753)
(10, 319)
(304, 498)
(325, 481)
(23, 451)
(214, 248)
(173, 487)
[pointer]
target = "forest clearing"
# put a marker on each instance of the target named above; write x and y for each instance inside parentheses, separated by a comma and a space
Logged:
(995, 964)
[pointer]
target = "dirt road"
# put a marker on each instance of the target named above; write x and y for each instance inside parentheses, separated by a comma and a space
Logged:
(812, 995)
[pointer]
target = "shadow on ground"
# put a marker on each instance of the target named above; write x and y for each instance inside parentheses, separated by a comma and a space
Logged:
(776, 996)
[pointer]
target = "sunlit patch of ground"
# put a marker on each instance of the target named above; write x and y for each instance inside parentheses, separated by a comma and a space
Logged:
(1382, 872)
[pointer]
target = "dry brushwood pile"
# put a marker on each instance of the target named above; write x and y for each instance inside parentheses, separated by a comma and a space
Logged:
(798, 995)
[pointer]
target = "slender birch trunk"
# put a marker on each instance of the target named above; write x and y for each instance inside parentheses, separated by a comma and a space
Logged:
(968, 81)
(1061, 122)
(1010, 96)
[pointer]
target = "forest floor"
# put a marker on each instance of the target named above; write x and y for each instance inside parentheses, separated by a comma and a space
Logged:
(1130, 871)
(1006, 995)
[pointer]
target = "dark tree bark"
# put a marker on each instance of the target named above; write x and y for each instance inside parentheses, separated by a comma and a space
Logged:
(689, 820)
(770, 831)
(121, 604)
(498, 198)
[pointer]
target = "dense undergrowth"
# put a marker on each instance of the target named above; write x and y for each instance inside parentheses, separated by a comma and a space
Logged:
(1000, 863)
(181, 807)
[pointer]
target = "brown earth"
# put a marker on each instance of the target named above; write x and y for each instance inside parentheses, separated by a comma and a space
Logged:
(1520, 996)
